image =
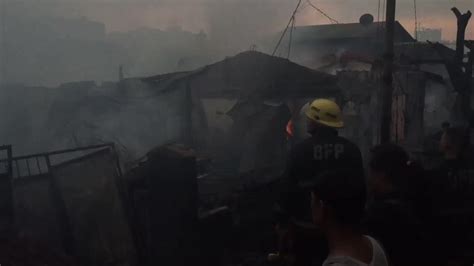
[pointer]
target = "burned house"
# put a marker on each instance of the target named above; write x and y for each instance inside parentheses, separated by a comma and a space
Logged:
(423, 97)
(243, 101)
(354, 51)
(234, 112)
(335, 46)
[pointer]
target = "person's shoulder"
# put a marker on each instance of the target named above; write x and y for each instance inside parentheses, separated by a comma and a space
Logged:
(379, 256)
(347, 142)
(350, 148)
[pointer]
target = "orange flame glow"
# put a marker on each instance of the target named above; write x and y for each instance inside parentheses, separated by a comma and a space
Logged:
(290, 129)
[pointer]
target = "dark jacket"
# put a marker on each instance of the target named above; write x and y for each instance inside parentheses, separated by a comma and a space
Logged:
(307, 160)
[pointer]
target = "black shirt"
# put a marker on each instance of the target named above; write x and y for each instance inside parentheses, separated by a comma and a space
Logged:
(308, 159)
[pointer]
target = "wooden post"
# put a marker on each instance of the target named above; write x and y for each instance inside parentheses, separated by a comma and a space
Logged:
(468, 93)
(387, 88)
(463, 21)
(3, 52)
(464, 86)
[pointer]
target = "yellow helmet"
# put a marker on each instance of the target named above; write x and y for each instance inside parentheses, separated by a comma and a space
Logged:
(325, 112)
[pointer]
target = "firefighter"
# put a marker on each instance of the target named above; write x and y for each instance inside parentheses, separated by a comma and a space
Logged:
(323, 151)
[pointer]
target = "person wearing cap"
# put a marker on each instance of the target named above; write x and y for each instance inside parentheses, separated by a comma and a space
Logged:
(338, 201)
(324, 150)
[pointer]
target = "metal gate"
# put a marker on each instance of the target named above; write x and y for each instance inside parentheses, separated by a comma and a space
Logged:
(51, 192)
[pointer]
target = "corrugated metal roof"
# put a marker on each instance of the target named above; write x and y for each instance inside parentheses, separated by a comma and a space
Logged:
(252, 72)
(349, 31)
(422, 51)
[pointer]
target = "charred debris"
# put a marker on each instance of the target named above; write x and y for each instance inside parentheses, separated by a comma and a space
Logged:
(222, 133)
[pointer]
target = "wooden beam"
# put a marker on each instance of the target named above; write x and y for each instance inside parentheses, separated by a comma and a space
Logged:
(387, 89)
(462, 21)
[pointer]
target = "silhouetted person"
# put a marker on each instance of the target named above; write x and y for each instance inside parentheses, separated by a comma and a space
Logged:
(392, 215)
(338, 201)
(452, 194)
(323, 151)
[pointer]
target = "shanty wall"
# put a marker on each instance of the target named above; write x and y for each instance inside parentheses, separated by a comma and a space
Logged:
(408, 107)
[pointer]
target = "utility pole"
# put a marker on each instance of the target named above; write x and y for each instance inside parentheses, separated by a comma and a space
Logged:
(3, 46)
(387, 88)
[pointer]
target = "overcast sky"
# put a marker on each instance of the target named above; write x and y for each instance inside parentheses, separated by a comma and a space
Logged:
(263, 15)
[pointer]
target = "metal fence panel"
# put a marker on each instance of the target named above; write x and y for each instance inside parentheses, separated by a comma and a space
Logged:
(35, 212)
(89, 187)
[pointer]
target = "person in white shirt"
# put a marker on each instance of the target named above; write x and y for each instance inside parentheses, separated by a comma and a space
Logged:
(337, 205)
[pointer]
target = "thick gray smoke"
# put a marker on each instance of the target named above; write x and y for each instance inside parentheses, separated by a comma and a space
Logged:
(47, 42)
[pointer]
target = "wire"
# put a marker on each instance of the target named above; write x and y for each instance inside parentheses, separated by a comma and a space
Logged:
(322, 12)
(302, 7)
(291, 36)
(286, 29)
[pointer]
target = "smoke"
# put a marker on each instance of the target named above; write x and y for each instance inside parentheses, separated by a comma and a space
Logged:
(236, 25)
(230, 26)
(147, 37)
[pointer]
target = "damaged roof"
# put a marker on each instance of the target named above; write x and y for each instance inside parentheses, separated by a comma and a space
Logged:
(251, 73)
(349, 31)
(423, 52)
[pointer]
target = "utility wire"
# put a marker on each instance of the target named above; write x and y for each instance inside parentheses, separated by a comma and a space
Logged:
(286, 29)
(322, 12)
(291, 36)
